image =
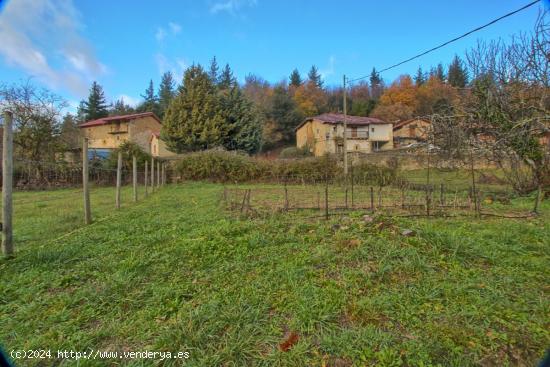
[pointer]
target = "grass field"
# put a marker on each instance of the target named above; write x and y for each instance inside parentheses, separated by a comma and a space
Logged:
(175, 272)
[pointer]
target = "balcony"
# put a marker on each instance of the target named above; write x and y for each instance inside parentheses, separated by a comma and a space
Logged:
(118, 130)
(357, 134)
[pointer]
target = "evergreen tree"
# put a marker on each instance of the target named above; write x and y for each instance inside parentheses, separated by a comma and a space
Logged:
(438, 72)
(314, 77)
(120, 108)
(226, 81)
(70, 134)
(420, 77)
(374, 78)
(96, 106)
(457, 75)
(244, 129)
(284, 113)
(193, 120)
(80, 113)
(376, 85)
(166, 92)
(214, 70)
(295, 78)
(150, 103)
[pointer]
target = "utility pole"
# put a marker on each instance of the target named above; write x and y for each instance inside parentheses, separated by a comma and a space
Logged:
(345, 131)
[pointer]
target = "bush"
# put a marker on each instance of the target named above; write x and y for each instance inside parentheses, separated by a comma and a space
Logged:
(222, 166)
(293, 152)
(128, 150)
(377, 175)
(219, 166)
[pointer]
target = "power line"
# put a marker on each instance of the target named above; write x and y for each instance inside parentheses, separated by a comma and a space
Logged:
(452, 40)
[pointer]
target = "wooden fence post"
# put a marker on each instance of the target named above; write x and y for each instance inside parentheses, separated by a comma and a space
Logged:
(326, 197)
(371, 199)
(146, 177)
(318, 200)
(478, 201)
(286, 196)
(85, 186)
(158, 174)
(352, 188)
(244, 200)
(118, 179)
(134, 177)
(7, 185)
(152, 174)
(427, 200)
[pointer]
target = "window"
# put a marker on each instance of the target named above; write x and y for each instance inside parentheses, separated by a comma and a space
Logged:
(354, 132)
(376, 145)
(356, 146)
(372, 129)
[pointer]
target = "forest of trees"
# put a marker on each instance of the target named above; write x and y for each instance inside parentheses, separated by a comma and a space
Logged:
(208, 107)
(259, 116)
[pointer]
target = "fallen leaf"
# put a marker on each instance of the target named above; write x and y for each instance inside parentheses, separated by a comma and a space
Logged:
(289, 342)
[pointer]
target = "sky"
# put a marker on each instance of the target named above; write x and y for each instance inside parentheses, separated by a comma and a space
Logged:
(64, 45)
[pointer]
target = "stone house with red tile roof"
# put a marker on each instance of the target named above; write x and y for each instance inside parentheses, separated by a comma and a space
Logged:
(108, 133)
(324, 134)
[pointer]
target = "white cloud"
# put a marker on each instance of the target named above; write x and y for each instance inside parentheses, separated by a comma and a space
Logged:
(43, 38)
(176, 66)
(133, 102)
(231, 6)
(174, 27)
(72, 107)
(161, 34)
(329, 70)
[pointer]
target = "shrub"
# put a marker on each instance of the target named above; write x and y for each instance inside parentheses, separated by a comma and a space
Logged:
(293, 152)
(223, 166)
(218, 166)
(128, 150)
(377, 175)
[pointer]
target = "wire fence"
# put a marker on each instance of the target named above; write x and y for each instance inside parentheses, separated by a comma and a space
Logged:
(48, 197)
(335, 195)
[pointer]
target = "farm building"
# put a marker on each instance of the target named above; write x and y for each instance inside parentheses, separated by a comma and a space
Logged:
(324, 134)
(410, 131)
(108, 133)
(158, 147)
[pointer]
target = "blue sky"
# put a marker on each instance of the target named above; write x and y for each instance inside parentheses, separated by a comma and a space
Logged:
(65, 44)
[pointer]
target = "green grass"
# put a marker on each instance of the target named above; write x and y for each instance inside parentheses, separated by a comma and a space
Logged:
(41, 216)
(176, 273)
